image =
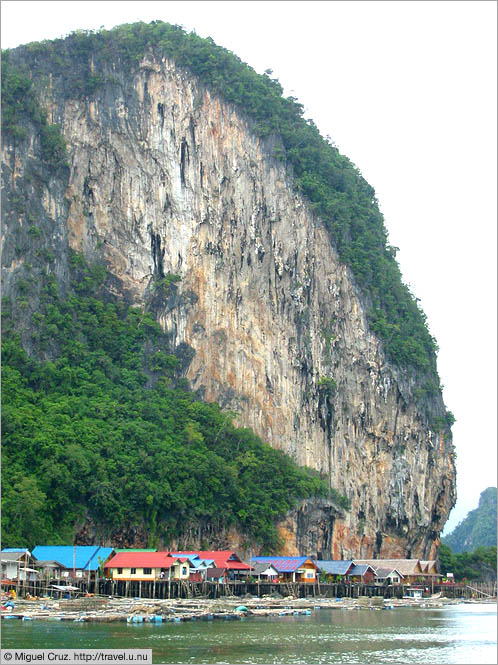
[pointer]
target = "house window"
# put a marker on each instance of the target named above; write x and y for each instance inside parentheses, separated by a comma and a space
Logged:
(120, 571)
(147, 571)
(133, 571)
(184, 570)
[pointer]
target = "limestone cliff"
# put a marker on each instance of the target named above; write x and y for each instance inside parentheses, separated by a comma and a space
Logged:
(166, 177)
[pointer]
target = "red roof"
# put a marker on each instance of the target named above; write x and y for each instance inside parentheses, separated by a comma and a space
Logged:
(142, 560)
(224, 559)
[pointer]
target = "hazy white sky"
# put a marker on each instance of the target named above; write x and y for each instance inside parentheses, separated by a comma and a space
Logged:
(407, 90)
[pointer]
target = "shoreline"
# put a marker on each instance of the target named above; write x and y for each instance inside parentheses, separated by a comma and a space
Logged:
(116, 609)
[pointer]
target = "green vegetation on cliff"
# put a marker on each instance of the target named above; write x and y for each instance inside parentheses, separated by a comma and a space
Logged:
(478, 529)
(79, 66)
(19, 103)
(479, 565)
(107, 430)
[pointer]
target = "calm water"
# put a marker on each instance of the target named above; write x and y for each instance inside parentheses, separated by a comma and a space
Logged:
(458, 634)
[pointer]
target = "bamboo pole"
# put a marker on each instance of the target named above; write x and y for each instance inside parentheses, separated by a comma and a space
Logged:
(478, 591)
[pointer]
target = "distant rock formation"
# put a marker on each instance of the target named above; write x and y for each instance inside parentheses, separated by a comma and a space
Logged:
(478, 529)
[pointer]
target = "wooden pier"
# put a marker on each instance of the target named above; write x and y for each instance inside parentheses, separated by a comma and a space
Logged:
(166, 589)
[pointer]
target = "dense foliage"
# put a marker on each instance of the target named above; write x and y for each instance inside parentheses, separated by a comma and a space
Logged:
(20, 104)
(333, 185)
(478, 528)
(107, 430)
(479, 565)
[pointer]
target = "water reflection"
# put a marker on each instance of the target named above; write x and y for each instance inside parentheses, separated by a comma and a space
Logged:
(458, 634)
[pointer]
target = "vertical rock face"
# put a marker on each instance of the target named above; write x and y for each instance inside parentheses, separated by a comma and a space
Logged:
(166, 178)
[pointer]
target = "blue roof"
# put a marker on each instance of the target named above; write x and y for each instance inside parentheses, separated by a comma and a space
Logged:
(282, 563)
(360, 569)
(82, 557)
(334, 567)
(201, 562)
(15, 549)
(194, 559)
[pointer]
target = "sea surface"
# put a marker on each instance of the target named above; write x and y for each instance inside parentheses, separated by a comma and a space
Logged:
(465, 633)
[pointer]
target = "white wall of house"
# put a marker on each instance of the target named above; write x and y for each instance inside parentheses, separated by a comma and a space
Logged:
(269, 572)
(13, 570)
(177, 571)
(9, 570)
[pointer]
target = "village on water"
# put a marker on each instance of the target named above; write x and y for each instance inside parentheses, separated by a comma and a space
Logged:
(151, 573)
(107, 584)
